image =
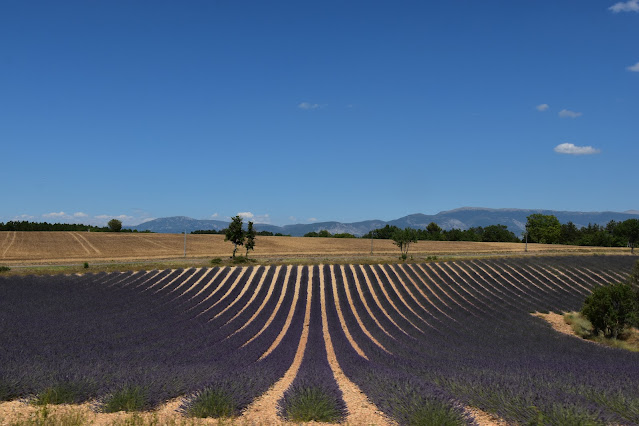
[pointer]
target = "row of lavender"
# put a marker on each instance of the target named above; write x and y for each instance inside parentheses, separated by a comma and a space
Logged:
(480, 346)
(434, 335)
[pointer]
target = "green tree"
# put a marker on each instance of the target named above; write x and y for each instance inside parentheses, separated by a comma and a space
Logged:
(544, 229)
(434, 231)
(629, 230)
(235, 233)
(402, 238)
(115, 225)
(611, 308)
(498, 234)
(250, 238)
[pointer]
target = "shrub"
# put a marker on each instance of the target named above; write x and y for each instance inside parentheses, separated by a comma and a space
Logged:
(4, 269)
(128, 398)
(63, 393)
(216, 261)
(611, 308)
(312, 404)
(212, 403)
(86, 265)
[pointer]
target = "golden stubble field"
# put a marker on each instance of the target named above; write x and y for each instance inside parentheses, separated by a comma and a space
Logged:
(68, 247)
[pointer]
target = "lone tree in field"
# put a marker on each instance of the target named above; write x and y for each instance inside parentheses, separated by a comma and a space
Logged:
(115, 225)
(402, 239)
(611, 308)
(250, 238)
(629, 230)
(235, 233)
(544, 229)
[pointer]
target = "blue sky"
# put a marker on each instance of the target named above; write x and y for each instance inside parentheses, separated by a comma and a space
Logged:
(302, 111)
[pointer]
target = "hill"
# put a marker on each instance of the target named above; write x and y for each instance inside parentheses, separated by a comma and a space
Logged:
(462, 218)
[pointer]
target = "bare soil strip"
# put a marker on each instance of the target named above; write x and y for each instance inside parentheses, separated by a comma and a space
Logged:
(442, 290)
(545, 287)
(492, 276)
(239, 296)
(566, 277)
(291, 311)
(389, 300)
(360, 409)
(94, 248)
(275, 311)
(401, 298)
(601, 276)
(211, 281)
(347, 290)
(422, 293)
(486, 287)
(453, 289)
(255, 293)
(202, 278)
(483, 418)
(512, 281)
(349, 337)
(264, 409)
(194, 272)
(368, 309)
(13, 240)
(265, 301)
(229, 291)
(75, 237)
(160, 288)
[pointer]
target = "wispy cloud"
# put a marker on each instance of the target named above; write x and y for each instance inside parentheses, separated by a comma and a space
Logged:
(542, 107)
(566, 113)
(55, 215)
(80, 214)
(246, 215)
(572, 149)
(214, 215)
(312, 219)
(634, 67)
(255, 218)
(625, 6)
(308, 106)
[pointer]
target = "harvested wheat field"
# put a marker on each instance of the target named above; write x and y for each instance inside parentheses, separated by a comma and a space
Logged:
(60, 247)
(449, 342)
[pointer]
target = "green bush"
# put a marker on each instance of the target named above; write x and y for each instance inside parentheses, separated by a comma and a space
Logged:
(4, 269)
(129, 398)
(312, 404)
(611, 308)
(212, 403)
(86, 265)
(216, 261)
(63, 393)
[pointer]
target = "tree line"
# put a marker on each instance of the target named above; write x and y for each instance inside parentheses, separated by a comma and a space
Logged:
(114, 225)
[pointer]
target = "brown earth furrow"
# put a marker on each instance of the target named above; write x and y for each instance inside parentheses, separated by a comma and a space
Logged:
(229, 291)
(264, 409)
(275, 311)
(255, 293)
(12, 237)
(125, 276)
(553, 282)
(291, 312)
(360, 409)
(340, 315)
(577, 274)
(421, 292)
(186, 281)
(545, 287)
(368, 309)
(388, 299)
(558, 278)
(448, 270)
(483, 287)
(521, 287)
(239, 296)
(349, 297)
(453, 289)
(401, 299)
(94, 248)
(434, 282)
(75, 237)
(603, 276)
(155, 285)
(265, 301)
(214, 292)
(207, 285)
(195, 284)
(493, 277)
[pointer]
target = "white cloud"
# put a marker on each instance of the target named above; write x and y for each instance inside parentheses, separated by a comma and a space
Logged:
(24, 217)
(312, 219)
(628, 6)
(566, 113)
(246, 215)
(308, 105)
(542, 107)
(572, 149)
(80, 214)
(634, 67)
(214, 215)
(55, 215)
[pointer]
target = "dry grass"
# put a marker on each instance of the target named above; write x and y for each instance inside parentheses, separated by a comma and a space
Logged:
(108, 251)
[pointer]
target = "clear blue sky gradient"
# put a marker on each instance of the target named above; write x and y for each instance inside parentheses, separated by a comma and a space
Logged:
(298, 111)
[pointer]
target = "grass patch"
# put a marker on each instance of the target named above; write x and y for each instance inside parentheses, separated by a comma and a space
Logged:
(429, 412)
(64, 393)
(312, 404)
(212, 403)
(129, 398)
(216, 261)
(44, 416)
(627, 340)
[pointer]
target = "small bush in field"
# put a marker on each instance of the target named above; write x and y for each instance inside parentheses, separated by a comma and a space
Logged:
(4, 269)
(129, 398)
(611, 308)
(212, 403)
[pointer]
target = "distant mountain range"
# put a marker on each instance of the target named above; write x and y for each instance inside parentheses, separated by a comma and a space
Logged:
(462, 218)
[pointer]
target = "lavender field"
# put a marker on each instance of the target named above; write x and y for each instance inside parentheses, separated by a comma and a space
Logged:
(442, 336)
